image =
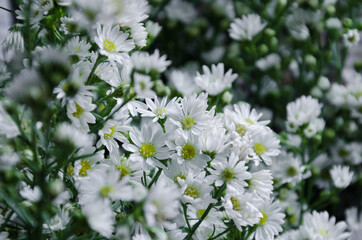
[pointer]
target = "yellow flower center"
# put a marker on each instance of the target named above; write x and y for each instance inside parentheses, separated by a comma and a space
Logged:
(160, 111)
(110, 135)
(200, 212)
(187, 123)
(179, 176)
(259, 148)
(109, 46)
(240, 129)
(192, 191)
(124, 170)
(228, 174)
(147, 150)
(106, 190)
(70, 171)
(79, 110)
(263, 219)
(236, 204)
(188, 151)
(85, 167)
(248, 120)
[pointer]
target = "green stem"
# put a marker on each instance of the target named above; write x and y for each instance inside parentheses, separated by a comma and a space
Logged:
(154, 179)
(220, 234)
(184, 207)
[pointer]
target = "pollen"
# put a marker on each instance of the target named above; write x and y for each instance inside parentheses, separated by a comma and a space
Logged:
(240, 129)
(263, 219)
(259, 148)
(109, 46)
(85, 167)
(106, 190)
(79, 111)
(124, 170)
(188, 151)
(228, 174)
(192, 191)
(236, 204)
(187, 123)
(147, 150)
(110, 135)
(160, 111)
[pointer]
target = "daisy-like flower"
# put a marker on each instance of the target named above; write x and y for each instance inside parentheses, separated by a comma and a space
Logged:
(265, 144)
(214, 142)
(271, 221)
(111, 132)
(233, 172)
(240, 209)
(288, 169)
(187, 152)
(81, 115)
(65, 132)
(196, 189)
(162, 203)
(143, 86)
(153, 28)
(145, 62)
(341, 176)
(215, 81)
(269, 61)
(68, 25)
(192, 116)
(157, 110)
(353, 219)
(113, 43)
(320, 226)
(14, 41)
(261, 184)
(82, 166)
(7, 125)
(103, 184)
(148, 145)
(78, 46)
(351, 37)
(183, 81)
(246, 27)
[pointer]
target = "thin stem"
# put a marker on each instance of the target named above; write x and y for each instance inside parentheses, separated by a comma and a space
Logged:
(154, 179)
(220, 234)
(8, 10)
(184, 206)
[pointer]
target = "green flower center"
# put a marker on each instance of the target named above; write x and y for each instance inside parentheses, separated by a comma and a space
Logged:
(110, 135)
(236, 204)
(263, 219)
(259, 148)
(147, 150)
(192, 191)
(228, 174)
(240, 129)
(160, 111)
(85, 167)
(187, 123)
(343, 153)
(143, 85)
(79, 110)
(124, 170)
(292, 171)
(188, 151)
(109, 46)
(106, 190)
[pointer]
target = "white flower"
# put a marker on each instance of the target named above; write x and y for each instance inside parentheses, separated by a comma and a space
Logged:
(351, 38)
(233, 172)
(82, 166)
(288, 169)
(158, 110)
(271, 221)
(143, 61)
(138, 34)
(215, 81)
(143, 86)
(29, 193)
(353, 219)
(111, 132)
(299, 31)
(181, 10)
(183, 81)
(187, 152)
(321, 226)
(333, 23)
(153, 28)
(196, 189)
(65, 132)
(341, 176)
(148, 145)
(59, 221)
(265, 144)
(214, 141)
(261, 184)
(316, 125)
(113, 43)
(78, 46)
(246, 27)
(127, 167)
(162, 203)
(240, 209)
(14, 41)
(192, 115)
(80, 113)
(7, 125)
(268, 61)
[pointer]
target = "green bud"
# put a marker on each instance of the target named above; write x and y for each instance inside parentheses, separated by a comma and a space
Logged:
(274, 43)
(313, 4)
(193, 31)
(358, 65)
(310, 61)
(56, 187)
(227, 97)
(281, 5)
(269, 32)
(347, 23)
(329, 133)
(263, 49)
(359, 26)
(331, 10)
(316, 92)
(325, 194)
(284, 193)
(316, 171)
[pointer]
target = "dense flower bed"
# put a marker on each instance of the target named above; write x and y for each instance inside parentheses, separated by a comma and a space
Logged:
(176, 119)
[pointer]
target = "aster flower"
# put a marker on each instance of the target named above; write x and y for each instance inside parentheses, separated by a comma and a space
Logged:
(265, 144)
(215, 81)
(112, 131)
(145, 62)
(183, 81)
(246, 27)
(351, 37)
(157, 110)
(113, 43)
(341, 176)
(261, 184)
(81, 115)
(143, 86)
